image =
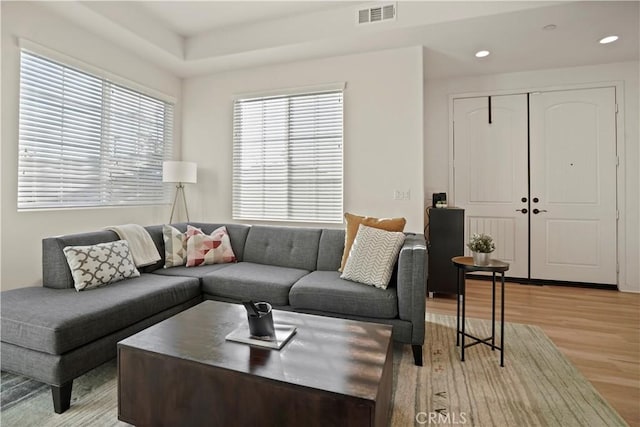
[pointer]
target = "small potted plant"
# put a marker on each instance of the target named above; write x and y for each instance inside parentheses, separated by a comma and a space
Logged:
(481, 245)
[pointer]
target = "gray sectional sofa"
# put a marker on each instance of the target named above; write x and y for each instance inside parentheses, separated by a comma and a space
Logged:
(54, 334)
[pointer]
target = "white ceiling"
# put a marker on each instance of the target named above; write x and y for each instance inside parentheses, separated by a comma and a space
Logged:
(195, 37)
(189, 18)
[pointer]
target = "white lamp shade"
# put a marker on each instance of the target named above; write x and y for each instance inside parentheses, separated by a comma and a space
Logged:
(185, 172)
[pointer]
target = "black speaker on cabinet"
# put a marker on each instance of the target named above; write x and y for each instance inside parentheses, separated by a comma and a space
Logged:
(445, 240)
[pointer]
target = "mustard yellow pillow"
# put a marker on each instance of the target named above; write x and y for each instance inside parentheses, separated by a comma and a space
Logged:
(354, 221)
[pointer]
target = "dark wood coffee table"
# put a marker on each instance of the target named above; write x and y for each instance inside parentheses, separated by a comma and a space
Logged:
(182, 371)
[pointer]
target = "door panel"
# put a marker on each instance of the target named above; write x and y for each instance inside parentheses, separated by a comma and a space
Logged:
(573, 175)
(490, 173)
(570, 152)
(503, 231)
(561, 247)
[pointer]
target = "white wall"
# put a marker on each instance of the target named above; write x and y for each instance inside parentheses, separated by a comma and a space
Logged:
(438, 163)
(22, 232)
(383, 131)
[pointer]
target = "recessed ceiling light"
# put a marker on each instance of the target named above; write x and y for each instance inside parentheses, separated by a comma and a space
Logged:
(608, 39)
(550, 27)
(482, 53)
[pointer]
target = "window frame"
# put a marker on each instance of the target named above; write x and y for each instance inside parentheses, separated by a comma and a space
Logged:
(155, 112)
(310, 215)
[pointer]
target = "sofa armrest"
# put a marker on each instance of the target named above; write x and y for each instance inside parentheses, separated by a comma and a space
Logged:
(411, 284)
(55, 270)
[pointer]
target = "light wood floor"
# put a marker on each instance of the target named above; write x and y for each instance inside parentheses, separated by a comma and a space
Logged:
(597, 330)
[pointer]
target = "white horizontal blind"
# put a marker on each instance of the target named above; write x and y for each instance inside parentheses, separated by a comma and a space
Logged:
(287, 158)
(86, 141)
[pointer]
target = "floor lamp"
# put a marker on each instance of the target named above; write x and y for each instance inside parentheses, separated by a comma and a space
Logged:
(179, 173)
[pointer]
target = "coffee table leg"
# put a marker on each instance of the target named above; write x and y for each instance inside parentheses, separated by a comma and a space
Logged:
(502, 323)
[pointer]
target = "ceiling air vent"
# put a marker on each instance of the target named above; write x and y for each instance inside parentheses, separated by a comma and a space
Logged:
(377, 13)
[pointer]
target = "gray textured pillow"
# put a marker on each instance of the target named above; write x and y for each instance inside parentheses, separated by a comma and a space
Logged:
(101, 264)
(372, 256)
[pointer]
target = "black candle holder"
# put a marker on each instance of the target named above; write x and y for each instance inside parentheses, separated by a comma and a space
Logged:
(261, 321)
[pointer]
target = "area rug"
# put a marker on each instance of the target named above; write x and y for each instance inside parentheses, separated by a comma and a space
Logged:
(537, 386)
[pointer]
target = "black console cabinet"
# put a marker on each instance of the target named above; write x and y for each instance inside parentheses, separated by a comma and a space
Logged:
(445, 240)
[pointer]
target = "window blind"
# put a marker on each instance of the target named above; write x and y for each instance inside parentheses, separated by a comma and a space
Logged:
(287, 157)
(85, 141)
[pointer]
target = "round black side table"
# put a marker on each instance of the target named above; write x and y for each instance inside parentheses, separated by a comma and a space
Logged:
(465, 265)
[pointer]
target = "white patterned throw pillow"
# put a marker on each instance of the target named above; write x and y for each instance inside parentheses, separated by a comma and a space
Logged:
(175, 246)
(372, 256)
(101, 264)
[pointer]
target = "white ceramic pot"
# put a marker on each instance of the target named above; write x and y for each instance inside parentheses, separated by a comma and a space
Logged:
(481, 258)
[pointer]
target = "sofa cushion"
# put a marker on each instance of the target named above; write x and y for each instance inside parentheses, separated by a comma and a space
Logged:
(237, 235)
(55, 270)
(292, 247)
(56, 321)
(199, 271)
(330, 249)
(326, 291)
(246, 280)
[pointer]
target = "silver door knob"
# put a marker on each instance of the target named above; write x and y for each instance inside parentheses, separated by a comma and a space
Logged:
(537, 211)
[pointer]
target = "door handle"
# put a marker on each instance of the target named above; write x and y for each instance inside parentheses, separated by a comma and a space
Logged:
(523, 210)
(537, 211)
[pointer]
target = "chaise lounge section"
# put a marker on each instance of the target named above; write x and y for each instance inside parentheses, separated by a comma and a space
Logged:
(54, 334)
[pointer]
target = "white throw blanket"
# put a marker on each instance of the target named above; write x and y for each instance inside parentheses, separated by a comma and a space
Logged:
(143, 249)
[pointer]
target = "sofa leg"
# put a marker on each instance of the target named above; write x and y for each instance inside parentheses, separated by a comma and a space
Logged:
(417, 354)
(61, 397)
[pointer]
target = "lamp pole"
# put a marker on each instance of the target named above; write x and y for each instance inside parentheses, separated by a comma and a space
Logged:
(179, 189)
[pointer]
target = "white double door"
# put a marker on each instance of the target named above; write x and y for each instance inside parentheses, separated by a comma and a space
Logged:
(538, 172)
